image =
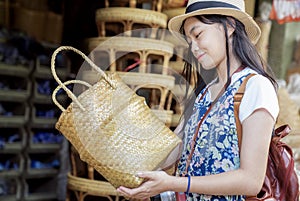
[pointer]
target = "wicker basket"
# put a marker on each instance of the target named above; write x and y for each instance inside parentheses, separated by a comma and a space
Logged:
(91, 187)
(152, 19)
(156, 4)
(112, 128)
(144, 47)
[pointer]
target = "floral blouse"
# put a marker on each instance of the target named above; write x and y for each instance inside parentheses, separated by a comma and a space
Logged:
(216, 147)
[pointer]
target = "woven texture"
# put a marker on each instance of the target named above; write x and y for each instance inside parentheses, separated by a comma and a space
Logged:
(113, 129)
(141, 16)
(91, 186)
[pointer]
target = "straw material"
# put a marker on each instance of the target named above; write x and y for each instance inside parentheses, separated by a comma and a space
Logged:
(238, 12)
(130, 44)
(142, 16)
(156, 5)
(135, 79)
(113, 129)
(92, 187)
(144, 47)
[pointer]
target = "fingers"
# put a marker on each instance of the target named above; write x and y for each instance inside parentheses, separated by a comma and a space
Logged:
(145, 174)
(140, 193)
(151, 186)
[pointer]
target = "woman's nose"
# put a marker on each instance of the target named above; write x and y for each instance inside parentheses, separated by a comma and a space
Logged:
(194, 46)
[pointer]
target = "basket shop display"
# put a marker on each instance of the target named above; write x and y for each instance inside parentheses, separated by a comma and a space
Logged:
(112, 128)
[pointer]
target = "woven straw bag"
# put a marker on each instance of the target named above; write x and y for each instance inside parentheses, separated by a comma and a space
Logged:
(112, 128)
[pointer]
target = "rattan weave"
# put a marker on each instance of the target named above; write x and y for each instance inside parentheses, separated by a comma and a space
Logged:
(144, 47)
(112, 128)
(128, 17)
(144, 80)
(92, 187)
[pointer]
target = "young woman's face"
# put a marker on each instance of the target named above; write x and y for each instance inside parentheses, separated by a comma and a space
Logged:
(207, 42)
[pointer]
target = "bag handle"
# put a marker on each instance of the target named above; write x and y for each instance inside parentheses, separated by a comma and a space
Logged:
(94, 66)
(65, 84)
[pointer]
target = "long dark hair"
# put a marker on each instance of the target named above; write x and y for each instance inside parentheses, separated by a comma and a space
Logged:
(243, 49)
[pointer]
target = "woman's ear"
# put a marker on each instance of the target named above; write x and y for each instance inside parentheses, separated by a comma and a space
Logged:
(230, 25)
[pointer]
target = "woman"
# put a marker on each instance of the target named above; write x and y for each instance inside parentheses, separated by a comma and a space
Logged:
(221, 38)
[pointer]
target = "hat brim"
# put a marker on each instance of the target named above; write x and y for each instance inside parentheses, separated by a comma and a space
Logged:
(251, 27)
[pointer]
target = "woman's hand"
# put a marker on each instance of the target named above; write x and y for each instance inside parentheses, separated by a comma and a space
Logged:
(155, 183)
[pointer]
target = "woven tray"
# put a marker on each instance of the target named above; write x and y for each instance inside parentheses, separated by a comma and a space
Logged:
(143, 46)
(130, 44)
(128, 17)
(156, 4)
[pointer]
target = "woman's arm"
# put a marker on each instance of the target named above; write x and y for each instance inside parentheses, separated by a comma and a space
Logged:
(247, 180)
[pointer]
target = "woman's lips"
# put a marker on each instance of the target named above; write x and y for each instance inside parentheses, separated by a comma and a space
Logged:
(200, 56)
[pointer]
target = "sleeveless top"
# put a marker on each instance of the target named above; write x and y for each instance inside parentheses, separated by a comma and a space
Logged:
(216, 148)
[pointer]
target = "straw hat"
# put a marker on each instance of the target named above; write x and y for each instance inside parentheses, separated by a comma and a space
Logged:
(233, 8)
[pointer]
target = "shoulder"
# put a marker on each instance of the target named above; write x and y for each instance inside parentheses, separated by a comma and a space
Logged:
(256, 81)
(260, 82)
(259, 93)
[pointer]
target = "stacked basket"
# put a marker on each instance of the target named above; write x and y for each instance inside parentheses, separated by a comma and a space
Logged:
(132, 42)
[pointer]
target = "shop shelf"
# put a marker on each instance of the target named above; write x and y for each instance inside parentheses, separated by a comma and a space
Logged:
(44, 140)
(12, 165)
(42, 91)
(40, 165)
(44, 115)
(20, 95)
(44, 71)
(15, 70)
(10, 189)
(40, 189)
(12, 140)
(16, 114)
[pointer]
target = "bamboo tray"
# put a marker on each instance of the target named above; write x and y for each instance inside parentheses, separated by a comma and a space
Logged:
(136, 79)
(156, 4)
(130, 44)
(144, 47)
(128, 17)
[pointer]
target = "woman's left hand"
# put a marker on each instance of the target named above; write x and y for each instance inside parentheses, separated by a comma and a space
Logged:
(155, 183)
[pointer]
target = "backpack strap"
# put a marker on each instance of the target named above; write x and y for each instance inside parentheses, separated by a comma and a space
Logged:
(237, 101)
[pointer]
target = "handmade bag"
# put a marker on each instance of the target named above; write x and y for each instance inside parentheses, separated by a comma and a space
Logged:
(112, 128)
(281, 181)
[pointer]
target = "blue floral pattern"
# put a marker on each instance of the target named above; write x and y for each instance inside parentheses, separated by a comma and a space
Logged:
(216, 147)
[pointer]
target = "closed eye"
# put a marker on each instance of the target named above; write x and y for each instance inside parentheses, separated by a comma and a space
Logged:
(198, 35)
